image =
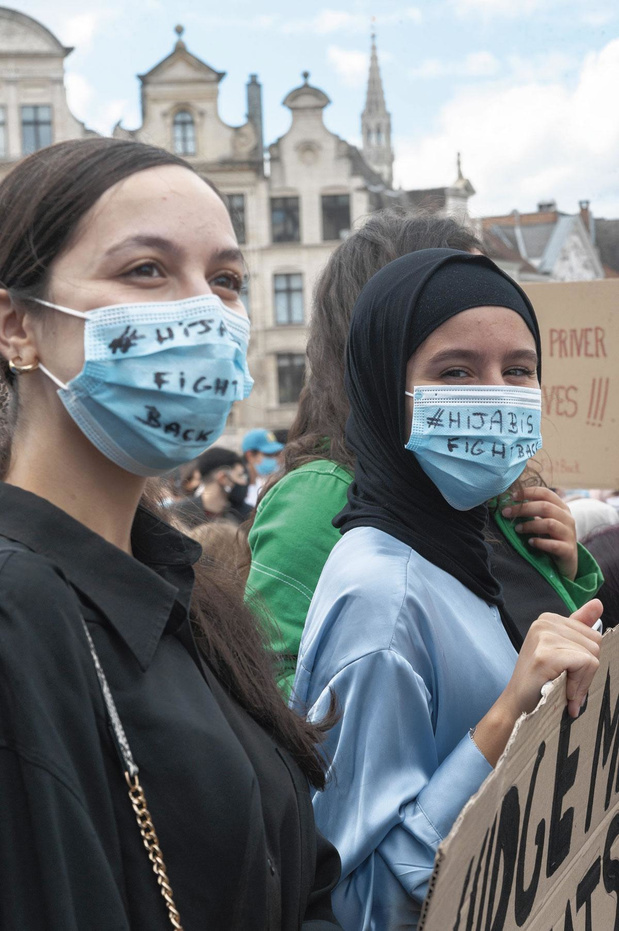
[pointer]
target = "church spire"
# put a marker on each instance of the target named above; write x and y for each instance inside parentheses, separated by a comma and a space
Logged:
(376, 123)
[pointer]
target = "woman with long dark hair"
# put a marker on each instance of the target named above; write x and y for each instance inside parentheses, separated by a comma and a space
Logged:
(534, 549)
(408, 625)
(151, 776)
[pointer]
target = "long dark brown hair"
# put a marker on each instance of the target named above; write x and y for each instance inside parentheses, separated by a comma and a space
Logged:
(42, 202)
(318, 431)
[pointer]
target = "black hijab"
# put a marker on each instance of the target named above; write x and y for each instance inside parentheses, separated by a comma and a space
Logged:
(398, 308)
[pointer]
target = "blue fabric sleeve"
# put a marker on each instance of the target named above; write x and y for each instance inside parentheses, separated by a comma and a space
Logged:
(390, 800)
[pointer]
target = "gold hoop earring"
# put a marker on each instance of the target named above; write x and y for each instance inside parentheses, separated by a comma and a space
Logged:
(22, 369)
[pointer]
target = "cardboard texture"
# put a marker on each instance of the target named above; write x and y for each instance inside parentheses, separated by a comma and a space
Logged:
(579, 323)
(538, 846)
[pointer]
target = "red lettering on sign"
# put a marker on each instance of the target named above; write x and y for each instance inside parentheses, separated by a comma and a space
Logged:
(560, 400)
(597, 401)
(572, 467)
(584, 342)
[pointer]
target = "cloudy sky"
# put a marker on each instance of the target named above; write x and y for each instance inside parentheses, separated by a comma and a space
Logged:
(527, 90)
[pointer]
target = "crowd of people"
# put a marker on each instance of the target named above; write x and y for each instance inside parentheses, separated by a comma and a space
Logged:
(253, 689)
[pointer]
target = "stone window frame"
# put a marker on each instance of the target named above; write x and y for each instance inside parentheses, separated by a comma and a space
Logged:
(288, 296)
(38, 124)
(290, 223)
(181, 110)
(345, 229)
(290, 370)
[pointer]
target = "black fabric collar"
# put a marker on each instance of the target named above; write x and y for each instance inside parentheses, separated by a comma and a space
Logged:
(390, 490)
(138, 594)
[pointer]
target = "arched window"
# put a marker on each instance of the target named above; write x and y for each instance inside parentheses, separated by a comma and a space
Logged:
(184, 133)
(379, 136)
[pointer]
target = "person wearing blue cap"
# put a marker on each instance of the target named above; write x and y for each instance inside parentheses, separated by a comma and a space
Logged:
(261, 450)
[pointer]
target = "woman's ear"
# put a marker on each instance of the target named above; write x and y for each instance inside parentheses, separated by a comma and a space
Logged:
(16, 337)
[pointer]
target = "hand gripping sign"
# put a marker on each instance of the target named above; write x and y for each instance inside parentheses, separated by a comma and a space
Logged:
(537, 848)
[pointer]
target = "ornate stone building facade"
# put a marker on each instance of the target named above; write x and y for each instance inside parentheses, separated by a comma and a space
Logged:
(290, 208)
(33, 102)
(291, 203)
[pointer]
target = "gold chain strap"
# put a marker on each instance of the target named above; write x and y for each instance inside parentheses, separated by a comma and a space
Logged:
(151, 842)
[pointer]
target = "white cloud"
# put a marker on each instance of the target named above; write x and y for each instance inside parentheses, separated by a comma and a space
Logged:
(475, 65)
(350, 65)
(81, 29)
(329, 21)
(429, 68)
(505, 8)
(80, 93)
(587, 12)
(262, 21)
(114, 111)
(548, 66)
(324, 22)
(527, 141)
(597, 18)
(481, 64)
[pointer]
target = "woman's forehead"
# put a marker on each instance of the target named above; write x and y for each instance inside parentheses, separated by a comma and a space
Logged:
(166, 197)
(482, 326)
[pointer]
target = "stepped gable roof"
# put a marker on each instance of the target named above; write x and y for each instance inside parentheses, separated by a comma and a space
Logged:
(181, 53)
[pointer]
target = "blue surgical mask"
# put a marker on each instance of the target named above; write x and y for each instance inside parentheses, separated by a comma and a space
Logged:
(474, 441)
(267, 466)
(159, 379)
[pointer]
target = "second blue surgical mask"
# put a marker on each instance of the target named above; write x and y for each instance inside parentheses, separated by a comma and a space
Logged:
(267, 466)
(474, 441)
(159, 379)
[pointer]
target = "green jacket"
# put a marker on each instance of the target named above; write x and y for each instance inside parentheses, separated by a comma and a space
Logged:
(588, 575)
(292, 537)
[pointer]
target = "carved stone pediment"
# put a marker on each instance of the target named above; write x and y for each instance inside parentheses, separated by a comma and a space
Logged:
(21, 35)
(244, 139)
(308, 152)
(179, 67)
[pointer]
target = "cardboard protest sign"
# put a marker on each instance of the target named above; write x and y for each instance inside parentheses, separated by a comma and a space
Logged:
(579, 323)
(537, 847)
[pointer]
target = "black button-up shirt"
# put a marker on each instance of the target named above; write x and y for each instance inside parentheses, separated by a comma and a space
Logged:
(230, 807)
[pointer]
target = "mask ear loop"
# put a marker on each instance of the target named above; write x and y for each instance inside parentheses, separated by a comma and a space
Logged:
(64, 310)
(56, 381)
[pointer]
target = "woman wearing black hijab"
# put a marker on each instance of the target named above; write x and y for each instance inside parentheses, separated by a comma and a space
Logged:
(408, 625)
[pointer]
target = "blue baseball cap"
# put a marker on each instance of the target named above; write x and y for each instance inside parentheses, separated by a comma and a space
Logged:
(264, 441)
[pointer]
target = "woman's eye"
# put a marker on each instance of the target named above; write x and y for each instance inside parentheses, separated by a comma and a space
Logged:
(145, 270)
(520, 371)
(455, 373)
(229, 281)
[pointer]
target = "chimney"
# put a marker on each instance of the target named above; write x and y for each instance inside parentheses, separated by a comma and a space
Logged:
(254, 113)
(585, 214)
(546, 206)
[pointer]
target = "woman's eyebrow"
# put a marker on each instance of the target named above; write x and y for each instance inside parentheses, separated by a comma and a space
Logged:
(452, 354)
(228, 255)
(152, 242)
(166, 245)
(523, 355)
(446, 355)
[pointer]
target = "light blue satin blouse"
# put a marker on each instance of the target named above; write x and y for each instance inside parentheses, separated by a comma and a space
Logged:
(416, 660)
